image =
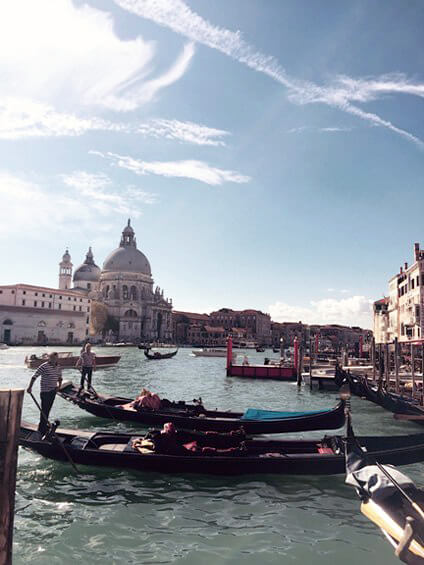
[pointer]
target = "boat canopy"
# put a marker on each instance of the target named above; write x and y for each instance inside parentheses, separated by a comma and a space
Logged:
(257, 414)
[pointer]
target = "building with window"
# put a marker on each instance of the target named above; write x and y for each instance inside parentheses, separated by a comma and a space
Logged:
(39, 315)
(400, 314)
(256, 324)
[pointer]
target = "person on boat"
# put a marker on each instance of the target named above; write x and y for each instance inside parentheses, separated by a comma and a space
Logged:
(146, 399)
(165, 442)
(86, 364)
(245, 360)
(50, 374)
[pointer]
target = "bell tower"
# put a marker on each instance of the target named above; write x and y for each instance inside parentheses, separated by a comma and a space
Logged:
(65, 272)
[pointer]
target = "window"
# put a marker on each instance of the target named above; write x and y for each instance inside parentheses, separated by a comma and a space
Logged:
(80, 308)
(69, 298)
(42, 305)
(13, 292)
(60, 306)
(75, 308)
(125, 292)
(412, 284)
(24, 292)
(23, 302)
(43, 295)
(50, 304)
(81, 298)
(50, 295)
(88, 286)
(35, 303)
(36, 294)
(75, 299)
(60, 298)
(88, 309)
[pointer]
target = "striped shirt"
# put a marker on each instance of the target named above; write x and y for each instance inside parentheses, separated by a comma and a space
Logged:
(49, 374)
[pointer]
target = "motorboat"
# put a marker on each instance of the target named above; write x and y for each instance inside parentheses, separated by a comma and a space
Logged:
(68, 360)
(209, 352)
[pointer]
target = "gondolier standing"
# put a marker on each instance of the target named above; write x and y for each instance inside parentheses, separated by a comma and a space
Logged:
(86, 364)
(51, 379)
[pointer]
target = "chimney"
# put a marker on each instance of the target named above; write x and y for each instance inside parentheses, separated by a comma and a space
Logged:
(417, 251)
(401, 270)
(406, 266)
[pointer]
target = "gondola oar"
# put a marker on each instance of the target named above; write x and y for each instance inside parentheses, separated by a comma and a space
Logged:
(53, 434)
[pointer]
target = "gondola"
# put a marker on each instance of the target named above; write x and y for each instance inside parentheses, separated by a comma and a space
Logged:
(393, 402)
(241, 454)
(156, 355)
(195, 416)
(389, 499)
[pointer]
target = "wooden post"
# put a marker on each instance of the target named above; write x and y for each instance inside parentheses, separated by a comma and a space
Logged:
(397, 364)
(10, 421)
(299, 366)
(422, 374)
(413, 367)
(380, 366)
(386, 365)
(373, 358)
(310, 362)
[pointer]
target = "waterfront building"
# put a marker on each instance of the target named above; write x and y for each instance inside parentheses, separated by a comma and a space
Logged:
(32, 314)
(256, 323)
(401, 316)
(187, 327)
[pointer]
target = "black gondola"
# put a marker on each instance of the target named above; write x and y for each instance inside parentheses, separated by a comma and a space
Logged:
(196, 417)
(156, 355)
(389, 499)
(325, 456)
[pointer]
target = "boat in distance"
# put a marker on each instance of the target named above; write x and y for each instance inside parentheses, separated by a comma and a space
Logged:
(324, 456)
(157, 355)
(209, 352)
(68, 360)
(196, 417)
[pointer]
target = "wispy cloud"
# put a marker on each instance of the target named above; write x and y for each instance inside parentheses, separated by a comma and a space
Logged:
(60, 62)
(334, 129)
(341, 94)
(96, 190)
(191, 169)
(351, 311)
(22, 118)
(37, 210)
(188, 132)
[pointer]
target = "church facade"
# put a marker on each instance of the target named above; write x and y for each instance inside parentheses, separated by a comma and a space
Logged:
(136, 311)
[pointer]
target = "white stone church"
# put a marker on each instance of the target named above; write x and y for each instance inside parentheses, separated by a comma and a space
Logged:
(136, 313)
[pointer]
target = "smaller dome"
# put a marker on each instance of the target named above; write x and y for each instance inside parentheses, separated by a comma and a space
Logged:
(66, 257)
(88, 271)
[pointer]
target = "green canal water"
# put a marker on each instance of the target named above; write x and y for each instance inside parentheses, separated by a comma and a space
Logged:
(115, 516)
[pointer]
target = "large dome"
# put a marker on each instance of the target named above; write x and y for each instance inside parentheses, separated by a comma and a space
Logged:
(88, 271)
(127, 258)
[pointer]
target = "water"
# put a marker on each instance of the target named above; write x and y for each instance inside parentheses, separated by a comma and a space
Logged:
(115, 516)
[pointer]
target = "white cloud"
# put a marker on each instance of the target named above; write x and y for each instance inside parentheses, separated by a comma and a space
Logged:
(177, 15)
(351, 311)
(191, 169)
(30, 208)
(59, 61)
(183, 131)
(332, 129)
(22, 118)
(95, 189)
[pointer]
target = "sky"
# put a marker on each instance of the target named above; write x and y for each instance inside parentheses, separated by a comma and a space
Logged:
(269, 154)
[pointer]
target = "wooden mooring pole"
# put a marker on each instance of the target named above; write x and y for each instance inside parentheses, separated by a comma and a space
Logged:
(10, 421)
(397, 364)
(413, 367)
(373, 358)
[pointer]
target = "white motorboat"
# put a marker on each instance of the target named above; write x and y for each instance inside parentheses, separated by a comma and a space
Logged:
(4, 346)
(209, 352)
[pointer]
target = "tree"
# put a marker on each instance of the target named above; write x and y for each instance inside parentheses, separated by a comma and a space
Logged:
(98, 319)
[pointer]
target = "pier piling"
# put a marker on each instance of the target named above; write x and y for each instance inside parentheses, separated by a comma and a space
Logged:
(10, 420)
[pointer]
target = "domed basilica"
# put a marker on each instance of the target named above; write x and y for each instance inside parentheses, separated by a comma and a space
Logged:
(125, 286)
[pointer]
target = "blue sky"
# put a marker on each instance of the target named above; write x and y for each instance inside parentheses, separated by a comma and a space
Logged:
(270, 154)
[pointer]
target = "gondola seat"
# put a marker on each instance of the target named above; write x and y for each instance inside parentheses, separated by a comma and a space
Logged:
(113, 447)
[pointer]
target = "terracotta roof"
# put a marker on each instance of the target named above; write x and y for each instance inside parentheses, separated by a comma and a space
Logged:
(44, 311)
(192, 315)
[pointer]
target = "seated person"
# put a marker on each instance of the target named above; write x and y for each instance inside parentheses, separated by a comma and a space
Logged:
(165, 442)
(145, 399)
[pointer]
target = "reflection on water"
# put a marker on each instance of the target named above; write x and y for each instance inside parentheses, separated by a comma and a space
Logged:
(115, 516)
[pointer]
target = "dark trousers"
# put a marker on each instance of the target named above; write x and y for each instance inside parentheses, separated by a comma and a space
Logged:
(47, 399)
(86, 372)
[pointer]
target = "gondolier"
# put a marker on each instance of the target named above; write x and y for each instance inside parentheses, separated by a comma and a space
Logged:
(86, 364)
(51, 378)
